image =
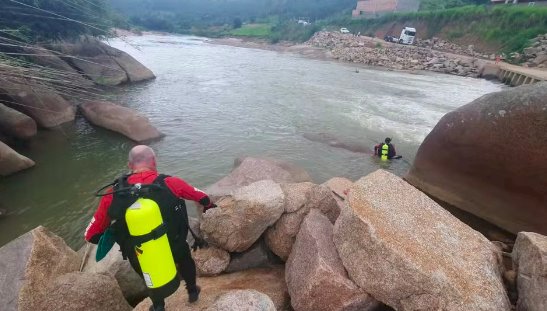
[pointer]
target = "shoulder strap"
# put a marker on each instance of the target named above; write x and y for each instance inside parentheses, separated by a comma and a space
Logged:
(119, 182)
(161, 179)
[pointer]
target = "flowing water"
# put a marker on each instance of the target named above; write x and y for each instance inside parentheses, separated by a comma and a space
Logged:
(216, 103)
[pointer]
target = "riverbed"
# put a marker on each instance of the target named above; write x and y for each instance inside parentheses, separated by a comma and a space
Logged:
(216, 103)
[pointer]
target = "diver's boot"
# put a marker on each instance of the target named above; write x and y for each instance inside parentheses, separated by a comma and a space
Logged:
(193, 293)
(156, 308)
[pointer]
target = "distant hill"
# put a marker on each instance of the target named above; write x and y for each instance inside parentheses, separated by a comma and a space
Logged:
(215, 10)
(202, 16)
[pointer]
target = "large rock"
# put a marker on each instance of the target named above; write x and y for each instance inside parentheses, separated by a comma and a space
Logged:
(28, 265)
(47, 108)
(16, 124)
(280, 237)
(120, 119)
(11, 161)
(135, 71)
(299, 199)
(255, 257)
(51, 59)
(404, 249)
(530, 262)
(339, 186)
(243, 300)
(486, 158)
(129, 281)
(211, 260)
(321, 199)
(79, 291)
(249, 170)
(489, 71)
(241, 219)
(269, 281)
(102, 63)
(315, 276)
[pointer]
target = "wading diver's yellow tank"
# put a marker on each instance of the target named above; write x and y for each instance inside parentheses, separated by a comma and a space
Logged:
(384, 152)
(146, 226)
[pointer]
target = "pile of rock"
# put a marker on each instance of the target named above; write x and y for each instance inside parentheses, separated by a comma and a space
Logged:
(398, 57)
(378, 245)
(451, 47)
(536, 54)
(26, 106)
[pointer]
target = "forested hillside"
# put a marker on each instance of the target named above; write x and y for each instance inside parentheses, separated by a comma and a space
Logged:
(182, 16)
(32, 20)
(504, 28)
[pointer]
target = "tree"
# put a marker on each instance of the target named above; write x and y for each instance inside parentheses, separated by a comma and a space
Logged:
(55, 19)
(237, 23)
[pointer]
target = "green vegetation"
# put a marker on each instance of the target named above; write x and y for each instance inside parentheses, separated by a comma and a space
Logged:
(265, 19)
(43, 20)
(252, 30)
(26, 25)
(510, 27)
(436, 5)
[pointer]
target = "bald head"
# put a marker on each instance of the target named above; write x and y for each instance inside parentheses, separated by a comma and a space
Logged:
(142, 158)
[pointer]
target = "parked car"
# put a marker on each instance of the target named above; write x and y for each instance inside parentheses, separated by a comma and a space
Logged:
(344, 30)
(390, 38)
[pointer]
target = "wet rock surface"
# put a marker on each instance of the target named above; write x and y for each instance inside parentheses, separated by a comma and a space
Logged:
(120, 119)
(11, 161)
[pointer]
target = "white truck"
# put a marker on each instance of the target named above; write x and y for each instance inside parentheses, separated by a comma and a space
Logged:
(407, 35)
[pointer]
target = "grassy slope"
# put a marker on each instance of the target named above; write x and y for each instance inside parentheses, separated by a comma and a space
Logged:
(252, 30)
(505, 28)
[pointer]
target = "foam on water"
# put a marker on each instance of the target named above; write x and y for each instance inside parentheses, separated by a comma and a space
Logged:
(410, 108)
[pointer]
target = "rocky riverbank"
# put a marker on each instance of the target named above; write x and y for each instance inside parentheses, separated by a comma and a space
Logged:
(87, 66)
(536, 54)
(280, 242)
(432, 55)
(374, 52)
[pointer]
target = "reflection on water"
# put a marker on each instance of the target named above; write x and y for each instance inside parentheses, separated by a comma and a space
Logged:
(216, 103)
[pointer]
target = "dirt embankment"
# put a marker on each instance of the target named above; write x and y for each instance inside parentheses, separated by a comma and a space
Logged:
(450, 32)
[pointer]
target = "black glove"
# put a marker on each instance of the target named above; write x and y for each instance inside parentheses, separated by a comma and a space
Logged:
(199, 243)
(211, 206)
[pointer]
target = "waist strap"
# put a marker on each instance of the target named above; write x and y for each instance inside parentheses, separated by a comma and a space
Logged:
(155, 234)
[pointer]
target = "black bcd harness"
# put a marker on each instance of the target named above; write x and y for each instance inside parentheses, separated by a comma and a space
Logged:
(173, 211)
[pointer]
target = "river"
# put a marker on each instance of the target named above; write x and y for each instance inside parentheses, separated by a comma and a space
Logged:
(216, 103)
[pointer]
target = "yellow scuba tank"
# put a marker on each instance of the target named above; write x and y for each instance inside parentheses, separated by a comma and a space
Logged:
(149, 235)
(384, 152)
